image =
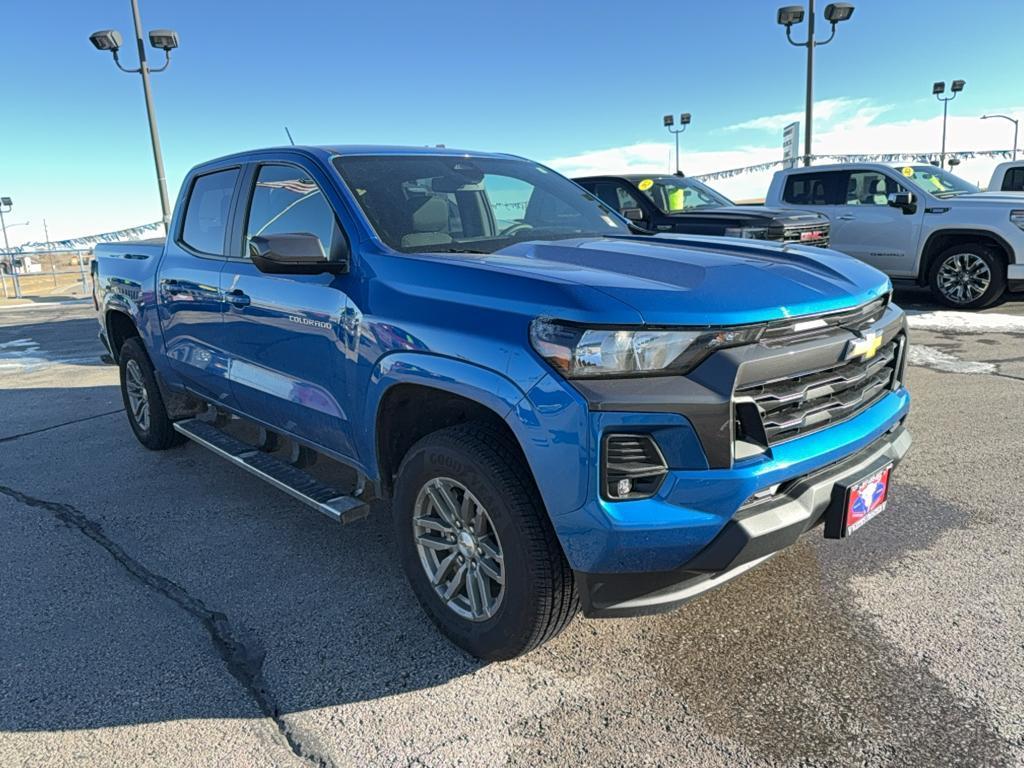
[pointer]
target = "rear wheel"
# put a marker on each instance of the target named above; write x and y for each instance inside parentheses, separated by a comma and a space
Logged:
(967, 276)
(142, 400)
(477, 546)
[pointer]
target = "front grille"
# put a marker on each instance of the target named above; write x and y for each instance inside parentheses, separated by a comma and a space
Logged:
(797, 405)
(808, 234)
(807, 326)
(635, 458)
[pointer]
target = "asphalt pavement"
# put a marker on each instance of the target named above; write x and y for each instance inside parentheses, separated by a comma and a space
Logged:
(164, 609)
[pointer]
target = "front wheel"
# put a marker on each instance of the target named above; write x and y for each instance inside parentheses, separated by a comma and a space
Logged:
(143, 401)
(476, 544)
(967, 276)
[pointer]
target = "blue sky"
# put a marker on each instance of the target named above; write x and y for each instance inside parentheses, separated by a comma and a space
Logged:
(579, 84)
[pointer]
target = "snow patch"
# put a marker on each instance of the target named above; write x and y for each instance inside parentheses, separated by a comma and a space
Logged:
(936, 359)
(965, 322)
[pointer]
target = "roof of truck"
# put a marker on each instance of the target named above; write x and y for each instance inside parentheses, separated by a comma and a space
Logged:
(330, 150)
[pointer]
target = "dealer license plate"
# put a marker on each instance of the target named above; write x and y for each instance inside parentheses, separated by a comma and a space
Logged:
(865, 499)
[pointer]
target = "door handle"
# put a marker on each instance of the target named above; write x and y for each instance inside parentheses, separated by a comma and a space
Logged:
(846, 217)
(237, 298)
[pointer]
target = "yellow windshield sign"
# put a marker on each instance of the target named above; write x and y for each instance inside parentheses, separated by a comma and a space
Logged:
(646, 184)
(908, 171)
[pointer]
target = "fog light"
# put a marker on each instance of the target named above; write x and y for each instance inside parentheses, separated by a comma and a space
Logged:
(624, 487)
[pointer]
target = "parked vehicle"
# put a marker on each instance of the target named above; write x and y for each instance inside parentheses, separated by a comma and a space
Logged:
(681, 204)
(1008, 177)
(560, 410)
(916, 223)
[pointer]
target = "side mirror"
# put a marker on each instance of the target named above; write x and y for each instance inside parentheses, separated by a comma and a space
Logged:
(296, 253)
(636, 215)
(904, 200)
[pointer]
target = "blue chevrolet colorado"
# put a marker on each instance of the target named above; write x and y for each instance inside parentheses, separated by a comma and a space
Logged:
(562, 410)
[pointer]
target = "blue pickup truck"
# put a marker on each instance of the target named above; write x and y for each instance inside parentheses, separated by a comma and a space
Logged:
(564, 411)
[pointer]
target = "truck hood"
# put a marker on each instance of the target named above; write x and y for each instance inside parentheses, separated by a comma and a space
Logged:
(689, 280)
(987, 198)
(755, 214)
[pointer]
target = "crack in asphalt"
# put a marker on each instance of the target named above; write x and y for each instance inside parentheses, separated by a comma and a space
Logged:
(58, 426)
(243, 660)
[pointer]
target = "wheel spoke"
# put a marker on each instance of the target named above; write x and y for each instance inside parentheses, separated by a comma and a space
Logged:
(443, 568)
(433, 524)
(475, 592)
(494, 553)
(446, 511)
(456, 583)
(435, 542)
(488, 570)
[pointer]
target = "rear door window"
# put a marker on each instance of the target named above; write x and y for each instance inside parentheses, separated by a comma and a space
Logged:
(815, 188)
(1014, 180)
(206, 213)
(870, 188)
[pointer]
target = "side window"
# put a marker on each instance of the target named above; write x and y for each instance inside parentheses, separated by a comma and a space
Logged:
(285, 201)
(206, 213)
(607, 193)
(1014, 180)
(870, 188)
(814, 188)
(625, 199)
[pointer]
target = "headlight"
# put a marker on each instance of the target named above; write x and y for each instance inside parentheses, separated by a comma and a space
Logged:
(1017, 217)
(752, 233)
(587, 353)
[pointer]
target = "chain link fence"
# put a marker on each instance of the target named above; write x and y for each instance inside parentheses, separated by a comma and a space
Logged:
(48, 274)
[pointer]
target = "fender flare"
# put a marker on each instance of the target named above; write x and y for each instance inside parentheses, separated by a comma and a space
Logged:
(927, 255)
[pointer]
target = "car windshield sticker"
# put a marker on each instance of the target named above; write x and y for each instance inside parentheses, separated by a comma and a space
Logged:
(908, 171)
(646, 184)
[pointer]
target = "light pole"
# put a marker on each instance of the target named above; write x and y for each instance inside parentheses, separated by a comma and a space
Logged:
(794, 14)
(167, 40)
(938, 89)
(669, 121)
(1016, 125)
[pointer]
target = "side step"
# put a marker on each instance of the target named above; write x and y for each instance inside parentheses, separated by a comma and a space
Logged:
(296, 483)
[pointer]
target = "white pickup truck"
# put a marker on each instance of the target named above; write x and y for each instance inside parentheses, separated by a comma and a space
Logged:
(916, 223)
(1008, 177)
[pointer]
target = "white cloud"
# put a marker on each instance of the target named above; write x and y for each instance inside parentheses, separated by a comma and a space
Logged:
(824, 110)
(853, 126)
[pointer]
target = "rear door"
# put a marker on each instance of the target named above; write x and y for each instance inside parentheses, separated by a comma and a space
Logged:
(188, 294)
(287, 337)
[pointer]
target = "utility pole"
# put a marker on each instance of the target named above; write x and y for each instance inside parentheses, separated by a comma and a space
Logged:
(669, 121)
(5, 202)
(1016, 126)
(937, 90)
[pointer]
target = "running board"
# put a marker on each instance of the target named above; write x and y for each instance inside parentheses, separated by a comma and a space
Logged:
(296, 483)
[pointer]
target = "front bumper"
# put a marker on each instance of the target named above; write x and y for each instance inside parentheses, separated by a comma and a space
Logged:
(748, 539)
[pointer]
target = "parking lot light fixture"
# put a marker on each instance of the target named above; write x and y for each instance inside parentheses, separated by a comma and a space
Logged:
(1016, 126)
(165, 40)
(938, 89)
(669, 121)
(789, 15)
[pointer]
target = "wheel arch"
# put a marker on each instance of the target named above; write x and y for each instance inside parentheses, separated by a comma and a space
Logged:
(412, 395)
(942, 239)
(120, 326)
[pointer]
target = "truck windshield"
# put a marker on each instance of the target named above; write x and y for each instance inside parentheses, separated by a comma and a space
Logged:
(677, 194)
(447, 203)
(937, 181)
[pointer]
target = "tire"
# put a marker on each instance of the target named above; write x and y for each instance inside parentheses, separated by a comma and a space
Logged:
(537, 598)
(151, 424)
(956, 276)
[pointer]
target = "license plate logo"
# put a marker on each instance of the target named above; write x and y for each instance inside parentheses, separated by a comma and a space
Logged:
(866, 499)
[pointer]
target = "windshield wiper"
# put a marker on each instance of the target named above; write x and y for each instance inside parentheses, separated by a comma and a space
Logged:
(457, 250)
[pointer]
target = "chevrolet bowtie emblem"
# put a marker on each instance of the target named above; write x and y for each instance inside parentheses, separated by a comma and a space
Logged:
(866, 346)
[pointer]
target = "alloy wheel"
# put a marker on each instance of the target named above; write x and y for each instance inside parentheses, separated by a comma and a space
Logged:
(964, 277)
(138, 397)
(459, 549)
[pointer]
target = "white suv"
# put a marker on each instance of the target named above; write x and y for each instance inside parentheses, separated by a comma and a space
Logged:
(917, 223)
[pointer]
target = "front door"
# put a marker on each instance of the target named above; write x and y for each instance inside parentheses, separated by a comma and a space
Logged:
(286, 335)
(188, 291)
(866, 227)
